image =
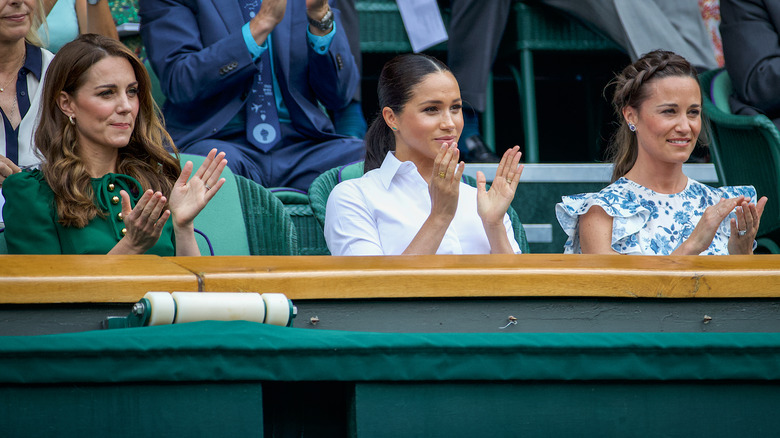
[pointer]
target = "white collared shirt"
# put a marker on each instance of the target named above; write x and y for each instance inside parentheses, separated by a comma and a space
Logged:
(381, 212)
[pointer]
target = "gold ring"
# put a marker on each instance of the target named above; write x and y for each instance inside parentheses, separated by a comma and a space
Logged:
(442, 174)
(509, 180)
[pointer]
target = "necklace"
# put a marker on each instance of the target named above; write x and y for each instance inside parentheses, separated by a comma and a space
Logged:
(15, 76)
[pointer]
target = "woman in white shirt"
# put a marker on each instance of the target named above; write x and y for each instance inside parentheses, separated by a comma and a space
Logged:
(411, 200)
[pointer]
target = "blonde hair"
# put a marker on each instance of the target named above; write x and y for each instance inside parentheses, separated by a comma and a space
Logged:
(38, 19)
(147, 157)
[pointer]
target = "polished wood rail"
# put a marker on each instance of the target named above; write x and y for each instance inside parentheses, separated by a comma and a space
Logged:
(124, 279)
(88, 278)
(493, 276)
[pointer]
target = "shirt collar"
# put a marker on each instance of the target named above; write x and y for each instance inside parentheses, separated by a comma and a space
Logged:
(391, 167)
(34, 60)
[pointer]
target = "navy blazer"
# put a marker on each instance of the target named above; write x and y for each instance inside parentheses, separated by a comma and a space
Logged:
(751, 46)
(205, 70)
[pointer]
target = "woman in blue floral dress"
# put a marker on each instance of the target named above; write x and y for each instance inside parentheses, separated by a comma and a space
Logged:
(652, 207)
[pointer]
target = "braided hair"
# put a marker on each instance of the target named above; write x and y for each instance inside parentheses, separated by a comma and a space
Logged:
(631, 90)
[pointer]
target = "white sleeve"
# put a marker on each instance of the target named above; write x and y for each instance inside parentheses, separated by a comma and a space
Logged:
(510, 233)
(350, 229)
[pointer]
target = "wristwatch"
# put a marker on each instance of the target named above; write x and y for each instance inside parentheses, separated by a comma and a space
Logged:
(324, 24)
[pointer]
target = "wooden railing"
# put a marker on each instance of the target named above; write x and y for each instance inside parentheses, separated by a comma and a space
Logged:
(125, 279)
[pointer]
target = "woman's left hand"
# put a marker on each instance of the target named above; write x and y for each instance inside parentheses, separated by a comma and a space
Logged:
(745, 227)
(190, 195)
(492, 204)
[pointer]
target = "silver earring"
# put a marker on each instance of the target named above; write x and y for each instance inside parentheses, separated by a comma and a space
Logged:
(72, 122)
(632, 127)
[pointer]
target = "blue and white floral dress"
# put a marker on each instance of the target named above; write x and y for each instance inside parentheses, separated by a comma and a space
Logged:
(647, 222)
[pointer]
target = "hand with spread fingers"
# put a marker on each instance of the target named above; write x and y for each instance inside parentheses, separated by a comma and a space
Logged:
(745, 227)
(492, 204)
(144, 222)
(445, 182)
(190, 195)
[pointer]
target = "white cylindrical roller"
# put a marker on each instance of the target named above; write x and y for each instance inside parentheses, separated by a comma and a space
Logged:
(218, 306)
(163, 309)
(277, 309)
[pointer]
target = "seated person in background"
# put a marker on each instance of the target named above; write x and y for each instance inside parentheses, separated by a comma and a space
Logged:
(22, 67)
(250, 81)
(652, 207)
(411, 199)
(645, 25)
(751, 46)
(107, 184)
(67, 19)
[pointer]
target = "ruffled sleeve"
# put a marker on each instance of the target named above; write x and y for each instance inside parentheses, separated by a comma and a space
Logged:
(629, 216)
(30, 225)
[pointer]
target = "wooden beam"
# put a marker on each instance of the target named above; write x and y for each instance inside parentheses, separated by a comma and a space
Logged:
(88, 278)
(531, 275)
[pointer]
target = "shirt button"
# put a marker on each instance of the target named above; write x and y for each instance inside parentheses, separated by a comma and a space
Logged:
(111, 187)
(124, 231)
(120, 217)
(115, 200)
(23, 93)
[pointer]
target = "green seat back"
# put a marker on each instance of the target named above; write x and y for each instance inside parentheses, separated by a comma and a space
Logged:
(745, 149)
(720, 90)
(311, 240)
(270, 230)
(321, 187)
(222, 220)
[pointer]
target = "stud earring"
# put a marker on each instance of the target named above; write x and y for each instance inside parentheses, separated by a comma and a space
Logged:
(72, 122)
(632, 127)
(394, 128)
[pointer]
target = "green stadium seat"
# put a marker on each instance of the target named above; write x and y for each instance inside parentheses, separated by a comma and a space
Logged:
(745, 151)
(244, 219)
(311, 240)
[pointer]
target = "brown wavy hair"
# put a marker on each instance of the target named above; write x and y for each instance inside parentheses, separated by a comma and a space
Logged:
(147, 157)
(631, 91)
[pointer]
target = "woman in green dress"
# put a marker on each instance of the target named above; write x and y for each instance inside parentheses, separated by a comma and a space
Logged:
(110, 180)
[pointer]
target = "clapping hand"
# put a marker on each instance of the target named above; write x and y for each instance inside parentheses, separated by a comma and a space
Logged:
(190, 195)
(492, 204)
(445, 182)
(144, 223)
(745, 227)
(7, 168)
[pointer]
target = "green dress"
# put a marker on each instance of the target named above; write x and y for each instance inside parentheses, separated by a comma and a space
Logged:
(31, 225)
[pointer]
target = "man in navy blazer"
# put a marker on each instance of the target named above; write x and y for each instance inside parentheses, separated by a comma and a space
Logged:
(207, 54)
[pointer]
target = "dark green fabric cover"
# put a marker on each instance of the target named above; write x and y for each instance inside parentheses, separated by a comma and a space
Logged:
(239, 350)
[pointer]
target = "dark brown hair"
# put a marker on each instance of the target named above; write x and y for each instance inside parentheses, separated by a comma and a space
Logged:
(397, 82)
(147, 157)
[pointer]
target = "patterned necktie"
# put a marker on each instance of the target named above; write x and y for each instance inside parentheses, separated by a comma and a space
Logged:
(262, 121)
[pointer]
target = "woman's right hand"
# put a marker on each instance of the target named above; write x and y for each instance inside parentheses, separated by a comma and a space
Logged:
(144, 223)
(701, 237)
(445, 182)
(7, 168)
